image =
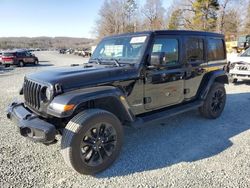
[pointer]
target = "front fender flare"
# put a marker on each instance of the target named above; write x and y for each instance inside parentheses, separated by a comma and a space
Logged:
(81, 96)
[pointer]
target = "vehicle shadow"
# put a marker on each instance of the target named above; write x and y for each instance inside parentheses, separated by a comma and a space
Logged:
(44, 61)
(41, 64)
(184, 138)
(4, 70)
(246, 82)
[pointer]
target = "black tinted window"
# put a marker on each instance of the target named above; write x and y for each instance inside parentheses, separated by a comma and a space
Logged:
(20, 54)
(195, 50)
(170, 48)
(215, 49)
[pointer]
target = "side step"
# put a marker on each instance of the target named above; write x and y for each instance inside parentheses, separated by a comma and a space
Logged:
(142, 120)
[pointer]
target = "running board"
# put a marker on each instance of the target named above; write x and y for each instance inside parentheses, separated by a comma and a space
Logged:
(163, 114)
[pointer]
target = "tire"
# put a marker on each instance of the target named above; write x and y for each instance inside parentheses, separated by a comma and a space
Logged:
(36, 62)
(80, 146)
(233, 80)
(20, 64)
(214, 102)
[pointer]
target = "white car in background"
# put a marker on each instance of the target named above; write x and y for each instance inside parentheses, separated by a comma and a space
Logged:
(239, 67)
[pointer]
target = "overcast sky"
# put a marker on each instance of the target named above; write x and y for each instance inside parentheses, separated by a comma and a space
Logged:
(31, 18)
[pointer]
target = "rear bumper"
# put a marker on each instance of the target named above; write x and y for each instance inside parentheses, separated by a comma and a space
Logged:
(8, 62)
(30, 125)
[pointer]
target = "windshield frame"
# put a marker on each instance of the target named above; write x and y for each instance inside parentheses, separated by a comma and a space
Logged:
(137, 61)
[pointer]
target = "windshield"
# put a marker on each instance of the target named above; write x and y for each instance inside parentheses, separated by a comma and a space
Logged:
(246, 53)
(128, 48)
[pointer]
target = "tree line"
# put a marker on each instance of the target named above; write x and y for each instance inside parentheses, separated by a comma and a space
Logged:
(45, 42)
(230, 17)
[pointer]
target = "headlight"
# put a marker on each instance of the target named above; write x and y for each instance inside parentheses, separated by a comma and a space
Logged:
(46, 94)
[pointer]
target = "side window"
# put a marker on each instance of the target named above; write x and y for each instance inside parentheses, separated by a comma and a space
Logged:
(20, 54)
(169, 47)
(195, 49)
(215, 49)
(27, 54)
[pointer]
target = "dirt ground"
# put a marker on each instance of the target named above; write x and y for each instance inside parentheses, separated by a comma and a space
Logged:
(183, 151)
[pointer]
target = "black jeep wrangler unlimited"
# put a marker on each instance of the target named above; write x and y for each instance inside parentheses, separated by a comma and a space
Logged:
(131, 79)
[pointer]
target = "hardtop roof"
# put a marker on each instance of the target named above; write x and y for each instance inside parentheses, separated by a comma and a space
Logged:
(173, 32)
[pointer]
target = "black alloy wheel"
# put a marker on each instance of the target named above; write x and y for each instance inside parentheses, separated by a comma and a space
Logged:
(98, 144)
(92, 141)
(215, 102)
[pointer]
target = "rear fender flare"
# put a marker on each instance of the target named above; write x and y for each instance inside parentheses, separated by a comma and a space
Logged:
(209, 79)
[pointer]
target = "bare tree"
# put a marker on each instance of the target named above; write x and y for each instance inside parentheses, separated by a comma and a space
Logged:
(246, 27)
(225, 7)
(116, 16)
(153, 12)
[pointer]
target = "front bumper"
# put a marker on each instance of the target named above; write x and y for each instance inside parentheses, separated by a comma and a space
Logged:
(30, 125)
(244, 75)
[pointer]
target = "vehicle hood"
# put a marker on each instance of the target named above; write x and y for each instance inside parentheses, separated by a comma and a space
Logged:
(80, 76)
(239, 59)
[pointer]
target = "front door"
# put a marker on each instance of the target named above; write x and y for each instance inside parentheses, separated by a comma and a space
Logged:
(164, 86)
(29, 58)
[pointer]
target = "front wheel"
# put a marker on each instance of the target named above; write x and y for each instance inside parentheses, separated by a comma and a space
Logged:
(233, 80)
(36, 62)
(21, 64)
(91, 141)
(214, 102)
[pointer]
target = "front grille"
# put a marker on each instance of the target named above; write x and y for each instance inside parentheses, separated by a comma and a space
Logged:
(32, 93)
(242, 67)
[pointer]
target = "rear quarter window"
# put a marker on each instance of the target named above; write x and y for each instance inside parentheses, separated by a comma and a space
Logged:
(216, 49)
(194, 49)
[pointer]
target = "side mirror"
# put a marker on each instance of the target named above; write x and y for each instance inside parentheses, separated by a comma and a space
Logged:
(157, 59)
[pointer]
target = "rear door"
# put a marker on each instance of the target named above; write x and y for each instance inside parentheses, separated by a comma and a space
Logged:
(195, 64)
(164, 86)
(21, 56)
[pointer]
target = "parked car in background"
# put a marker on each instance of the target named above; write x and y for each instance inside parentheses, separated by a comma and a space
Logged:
(239, 67)
(62, 51)
(1, 57)
(19, 58)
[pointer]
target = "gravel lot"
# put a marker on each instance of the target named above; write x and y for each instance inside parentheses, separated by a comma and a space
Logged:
(183, 151)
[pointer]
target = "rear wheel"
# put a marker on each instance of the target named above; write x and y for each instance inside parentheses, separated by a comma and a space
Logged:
(215, 102)
(92, 141)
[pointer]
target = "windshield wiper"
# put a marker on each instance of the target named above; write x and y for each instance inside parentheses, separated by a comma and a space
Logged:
(116, 61)
(108, 61)
(101, 61)
(96, 60)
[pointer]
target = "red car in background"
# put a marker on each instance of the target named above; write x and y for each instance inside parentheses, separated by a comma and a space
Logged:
(0, 58)
(19, 58)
